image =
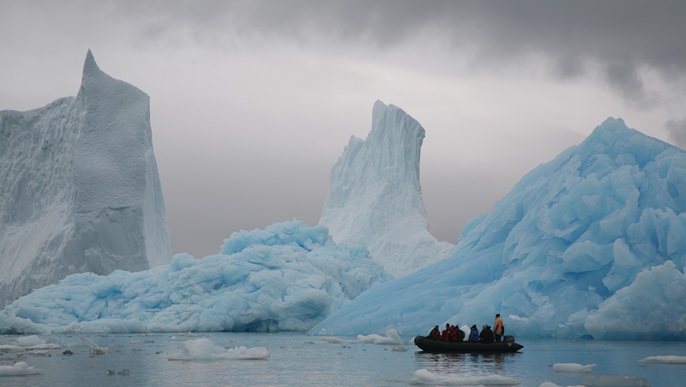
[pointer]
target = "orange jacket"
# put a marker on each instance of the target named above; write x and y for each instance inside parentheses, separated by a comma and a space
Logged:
(498, 326)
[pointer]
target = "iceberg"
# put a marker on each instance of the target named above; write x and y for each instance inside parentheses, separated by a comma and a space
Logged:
(288, 276)
(592, 243)
(80, 189)
(375, 197)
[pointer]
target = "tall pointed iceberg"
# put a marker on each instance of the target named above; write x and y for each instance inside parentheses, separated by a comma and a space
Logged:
(592, 243)
(80, 190)
(375, 198)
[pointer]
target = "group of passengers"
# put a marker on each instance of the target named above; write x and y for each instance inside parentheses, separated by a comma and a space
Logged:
(455, 334)
(450, 333)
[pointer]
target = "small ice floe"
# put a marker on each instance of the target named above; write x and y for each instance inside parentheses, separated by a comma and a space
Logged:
(425, 376)
(614, 381)
(336, 340)
(183, 336)
(551, 384)
(668, 359)
(392, 338)
(40, 353)
(30, 341)
(573, 367)
(94, 348)
(45, 346)
(205, 349)
(19, 368)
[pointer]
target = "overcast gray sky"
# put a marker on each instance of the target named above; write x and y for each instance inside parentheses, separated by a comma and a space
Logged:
(252, 102)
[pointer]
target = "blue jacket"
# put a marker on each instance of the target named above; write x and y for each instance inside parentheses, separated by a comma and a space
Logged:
(474, 335)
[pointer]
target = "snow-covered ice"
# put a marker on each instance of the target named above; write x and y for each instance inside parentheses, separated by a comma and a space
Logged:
(80, 189)
(94, 348)
(375, 197)
(30, 341)
(205, 349)
(392, 338)
(288, 276)
(573, 367)
(581, 245)
(665, 359)
(424, 376)
(19, 368)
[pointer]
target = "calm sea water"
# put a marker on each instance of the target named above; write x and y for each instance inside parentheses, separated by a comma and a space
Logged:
(299, 360)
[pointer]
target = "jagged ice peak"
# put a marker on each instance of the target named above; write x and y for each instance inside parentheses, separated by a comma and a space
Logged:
(375, 197)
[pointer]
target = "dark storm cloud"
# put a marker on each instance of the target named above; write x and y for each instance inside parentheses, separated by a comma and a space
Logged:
(616, 39)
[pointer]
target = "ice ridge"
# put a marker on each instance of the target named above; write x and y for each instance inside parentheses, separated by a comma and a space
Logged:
(375, 197)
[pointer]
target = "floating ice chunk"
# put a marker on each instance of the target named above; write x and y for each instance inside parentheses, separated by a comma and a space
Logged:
(30, 341)
(425, 376)
(205, 349)
(551, 384)
(94, 348)
(19, 368)
(392, 338)
(44, 346)
(668, 359)
(573, 367)
(336, 340)
(614, 381)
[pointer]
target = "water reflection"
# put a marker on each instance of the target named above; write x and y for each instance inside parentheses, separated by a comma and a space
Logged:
(465, 363)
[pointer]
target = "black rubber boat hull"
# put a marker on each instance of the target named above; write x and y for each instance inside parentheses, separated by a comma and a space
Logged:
(435, 346)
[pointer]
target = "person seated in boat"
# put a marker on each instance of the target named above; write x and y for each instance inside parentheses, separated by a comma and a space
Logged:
(453, 333)
(486, 335)
(445, 335)
(458, 333)
(435, 333)
(473, 334)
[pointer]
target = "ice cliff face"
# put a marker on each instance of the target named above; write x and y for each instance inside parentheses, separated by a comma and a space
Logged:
(375, 197)
(592, 243)
(80, 190)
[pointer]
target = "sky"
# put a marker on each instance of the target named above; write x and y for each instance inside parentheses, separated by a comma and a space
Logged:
(252, 102)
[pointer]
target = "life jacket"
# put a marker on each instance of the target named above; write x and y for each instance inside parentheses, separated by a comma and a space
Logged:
(444, 335)
(453, 333)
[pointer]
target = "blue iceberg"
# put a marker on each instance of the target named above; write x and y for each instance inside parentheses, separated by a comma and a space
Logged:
(590, 244)
(288, 276)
